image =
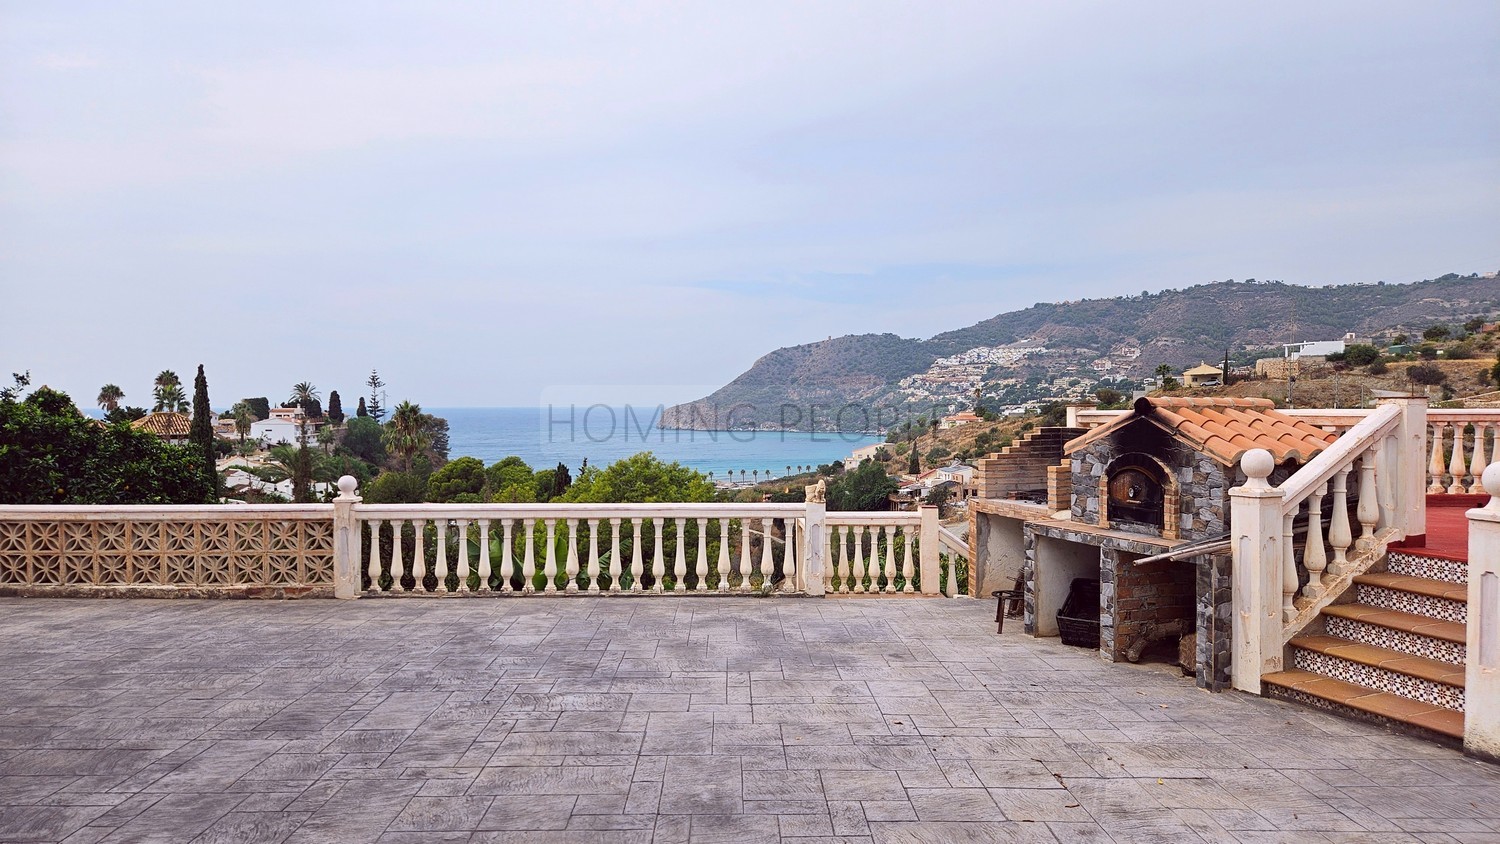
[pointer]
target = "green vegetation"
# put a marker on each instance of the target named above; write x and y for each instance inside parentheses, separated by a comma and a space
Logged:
(201, 433)
(52, 454)
(866, 488)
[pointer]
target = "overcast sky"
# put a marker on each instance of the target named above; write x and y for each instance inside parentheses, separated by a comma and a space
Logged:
(490, 201)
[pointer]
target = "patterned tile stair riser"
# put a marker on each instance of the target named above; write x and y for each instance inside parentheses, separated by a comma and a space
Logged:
(1379, 679)
(1397, 640)
(1394, 599)
(1436, 568)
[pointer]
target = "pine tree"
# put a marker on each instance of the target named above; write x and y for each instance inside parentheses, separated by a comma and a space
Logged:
(335, 408)
(361, 411)
(201, 434)
(375, 408)
(913, 466)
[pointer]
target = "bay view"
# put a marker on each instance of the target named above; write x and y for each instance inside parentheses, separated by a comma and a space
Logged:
(543, 436)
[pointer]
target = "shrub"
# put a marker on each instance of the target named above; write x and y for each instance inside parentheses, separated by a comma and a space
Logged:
(1378, 367)
(1360, 354)
(865, 488)
(1437, 333)
(1426, 374)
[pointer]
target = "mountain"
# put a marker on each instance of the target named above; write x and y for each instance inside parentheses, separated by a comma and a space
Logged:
(869, 381)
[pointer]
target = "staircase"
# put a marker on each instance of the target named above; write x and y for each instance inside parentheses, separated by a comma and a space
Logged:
(1020, 468)
(1395, 656)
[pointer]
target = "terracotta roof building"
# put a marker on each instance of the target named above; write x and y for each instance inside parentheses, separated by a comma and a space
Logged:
(172, 427)
(1222, 428)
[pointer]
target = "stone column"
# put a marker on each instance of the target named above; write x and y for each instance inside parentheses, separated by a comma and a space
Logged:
(346, 540)
(928, 554)
(815, 540)
(1482, 668)
(1255, 533)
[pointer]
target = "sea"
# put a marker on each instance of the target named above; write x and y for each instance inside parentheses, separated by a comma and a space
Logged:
(546, 436)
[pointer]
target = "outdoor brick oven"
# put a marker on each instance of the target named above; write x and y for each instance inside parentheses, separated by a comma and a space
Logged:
(1153, 480)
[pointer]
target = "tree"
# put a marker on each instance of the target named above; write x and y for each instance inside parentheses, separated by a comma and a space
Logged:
(1399, 340)
(1162, 371)
(244, 419)
(335, 408)
(640, 478)
(462, 480)
(361, 411)
(866, 488)
(1426, 374)
(260, 406)
(109, 398)
(561, 480)
(942, 498)
(327, 435)
(406, 435)
(303, 394)
(1360, 354)
(1108, 397)
(1495, 372)
(363, 439)
(201, 432)
(1437, 333)
(170, 398)
(1473, 325)
(52, 454)
(395, 488)
(376, 409)
(913, 463)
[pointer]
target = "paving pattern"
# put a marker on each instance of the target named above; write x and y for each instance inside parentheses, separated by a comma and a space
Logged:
(664, 720)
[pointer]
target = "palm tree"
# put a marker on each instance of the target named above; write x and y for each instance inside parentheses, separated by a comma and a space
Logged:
(109, 398)
(167, 378)
(244, 419)
(406, 434)
(742, 476)
(326, 438)
(789, 471)
(171, 399)
(755, 473)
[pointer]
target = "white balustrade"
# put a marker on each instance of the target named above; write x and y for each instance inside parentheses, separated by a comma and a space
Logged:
(1473, 448)
(670, 547)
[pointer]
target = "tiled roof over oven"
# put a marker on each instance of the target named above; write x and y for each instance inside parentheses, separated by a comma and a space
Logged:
(167, 425)
(1223, 428)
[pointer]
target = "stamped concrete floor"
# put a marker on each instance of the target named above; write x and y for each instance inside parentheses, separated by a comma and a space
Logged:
(666, 720)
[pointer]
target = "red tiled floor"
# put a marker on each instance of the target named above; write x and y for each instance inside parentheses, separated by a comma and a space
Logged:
(1447, 528)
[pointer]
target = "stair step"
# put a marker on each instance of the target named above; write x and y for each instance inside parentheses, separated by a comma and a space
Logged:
(1401, 663)
(1406, 632)
(1435, 599)
(1415, 563)
(1364, 703)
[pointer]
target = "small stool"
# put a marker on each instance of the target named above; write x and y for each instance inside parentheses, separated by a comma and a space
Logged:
(1016, 597)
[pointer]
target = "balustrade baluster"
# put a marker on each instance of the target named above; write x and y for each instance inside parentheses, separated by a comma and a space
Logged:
(789, 555)
(1457, 466)
(723, 555)
(1314, 557)
(374, 567)
(1435, 468)
(398, 569)
(484, 555)
(637, 566)
(1478, 464)
(463, 554)
(1368, 509)
(528, 562)
(659, 561)
(1339, 535)
(572, 564)
(747, 567)
(419, 560)
(767, 561)
(841, 535)
(890, 558)
(906, 566)
(859, 559)
(593, 555)
(614, 555)
(679, 559)
(507, 556)
(442, 555)
(549, 568)
(702, 568)
(1288, 570)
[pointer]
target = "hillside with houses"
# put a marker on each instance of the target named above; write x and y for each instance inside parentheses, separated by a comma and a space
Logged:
(1068, 350)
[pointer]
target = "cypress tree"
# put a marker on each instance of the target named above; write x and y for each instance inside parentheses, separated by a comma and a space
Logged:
(913, 466)
(201, 434)
(335, 408)
(360, 411)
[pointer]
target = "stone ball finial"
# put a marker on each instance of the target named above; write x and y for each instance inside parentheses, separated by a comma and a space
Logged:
(347, 486)
(1258, 465)
(1491, 480)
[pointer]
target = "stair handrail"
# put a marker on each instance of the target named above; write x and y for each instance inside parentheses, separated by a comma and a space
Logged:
(1348, 448)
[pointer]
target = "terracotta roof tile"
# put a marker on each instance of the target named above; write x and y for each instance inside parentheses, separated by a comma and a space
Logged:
(1224, 428)
(165, 424)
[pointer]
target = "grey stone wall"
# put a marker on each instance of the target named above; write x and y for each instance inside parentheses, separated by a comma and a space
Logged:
(1203, 484)
(1215, 620)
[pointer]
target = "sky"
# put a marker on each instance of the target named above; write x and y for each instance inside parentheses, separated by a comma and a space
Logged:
(506, 203)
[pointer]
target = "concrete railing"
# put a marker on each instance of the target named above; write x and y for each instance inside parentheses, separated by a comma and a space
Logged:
(1386, 450)
(167, 550)
(884, 553)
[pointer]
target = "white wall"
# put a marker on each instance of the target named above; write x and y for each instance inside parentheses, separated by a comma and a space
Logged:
(1057, 563)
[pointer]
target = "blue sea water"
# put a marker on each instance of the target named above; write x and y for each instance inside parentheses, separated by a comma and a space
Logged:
(544, 437)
